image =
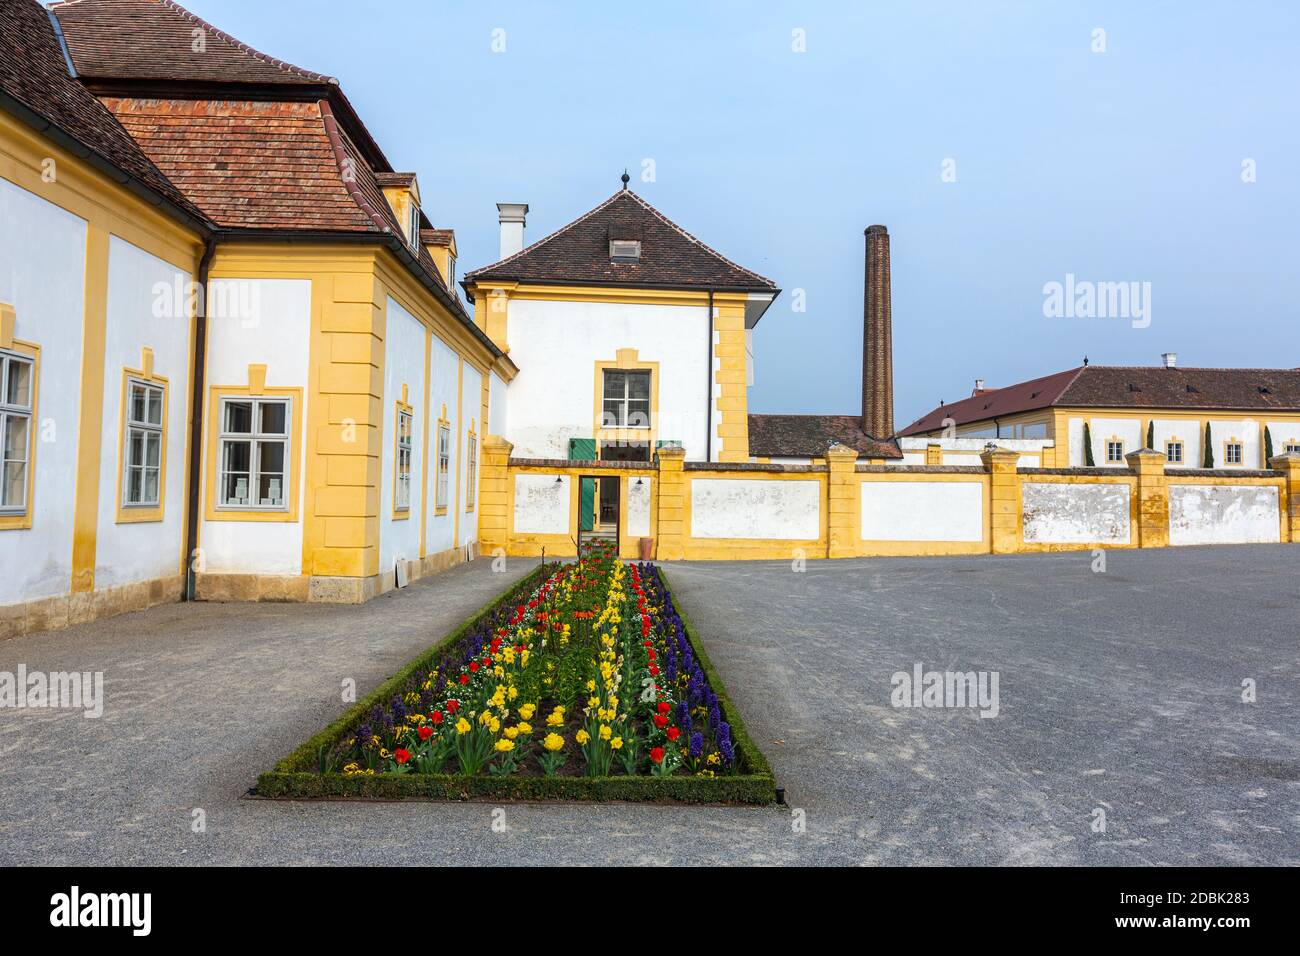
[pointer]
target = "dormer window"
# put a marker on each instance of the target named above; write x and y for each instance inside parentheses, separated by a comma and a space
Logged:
(625, 250)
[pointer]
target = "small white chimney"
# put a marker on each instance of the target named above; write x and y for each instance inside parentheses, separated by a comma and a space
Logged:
(979, 385)
(1170, 359)
(511, 216)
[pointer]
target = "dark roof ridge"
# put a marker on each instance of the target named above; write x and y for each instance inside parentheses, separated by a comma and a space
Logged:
(222, 34)
(644, 204)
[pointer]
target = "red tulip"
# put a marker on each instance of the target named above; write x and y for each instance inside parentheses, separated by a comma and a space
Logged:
(657, 754)
(672, 733)
(401, 755)
(453, 706)
(664, 707)
(473, 667)
(436, 716)
(660, 721)
(427, 732)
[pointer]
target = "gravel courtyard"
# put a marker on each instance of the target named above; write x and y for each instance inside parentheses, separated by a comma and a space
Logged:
(1119, 693)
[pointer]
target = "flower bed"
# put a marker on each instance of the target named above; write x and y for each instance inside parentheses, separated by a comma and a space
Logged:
(582, 682)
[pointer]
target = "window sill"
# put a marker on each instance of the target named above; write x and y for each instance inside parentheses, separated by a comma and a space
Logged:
(15, 522)
(140, 515)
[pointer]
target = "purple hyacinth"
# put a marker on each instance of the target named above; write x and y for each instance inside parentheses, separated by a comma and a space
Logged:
(727, 751)
(697, 745)
(398, 708)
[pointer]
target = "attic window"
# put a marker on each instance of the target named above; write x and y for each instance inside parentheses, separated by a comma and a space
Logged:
(1192, 388)
(625, 250)
(413, 226)
(1263, 390)
(1133, 388)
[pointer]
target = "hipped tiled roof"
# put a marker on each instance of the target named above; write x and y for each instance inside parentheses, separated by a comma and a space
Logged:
(34, 77)
(800, 436)
(156, 40)
(579, 253)
(1252, 390)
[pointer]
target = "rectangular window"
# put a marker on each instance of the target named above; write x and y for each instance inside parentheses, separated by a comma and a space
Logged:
(1174, 452)
(15, 431)
(1114, 451)
(627, 399)
(402, 488)
(444, 463)
(143, 437)
(1232, 453)
(1291, 450)
(254, 453)
(471, 472)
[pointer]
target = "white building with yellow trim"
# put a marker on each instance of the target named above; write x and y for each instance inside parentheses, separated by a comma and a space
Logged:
(234, 361)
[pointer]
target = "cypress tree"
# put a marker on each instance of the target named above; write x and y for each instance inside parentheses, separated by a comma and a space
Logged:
(1268, 447)
(1087, 446)
(1151, 433)
(1208, 458)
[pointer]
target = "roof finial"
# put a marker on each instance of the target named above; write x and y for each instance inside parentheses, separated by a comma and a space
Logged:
(626, 179)
(1085, 360)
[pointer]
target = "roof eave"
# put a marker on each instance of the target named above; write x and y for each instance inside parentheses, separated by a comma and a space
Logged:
(53, 131)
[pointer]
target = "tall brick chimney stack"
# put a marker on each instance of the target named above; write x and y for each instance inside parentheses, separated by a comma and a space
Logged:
(877, 339)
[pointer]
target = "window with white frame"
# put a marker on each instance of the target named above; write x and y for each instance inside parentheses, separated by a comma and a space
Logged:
(1291, 448)
(471, 472)
(444, 462)
(143, 438)
(15, 430)
(1232, 453)
(1114, 451)
(627, 399)
(402, 488)
(1174, 452)
(254, 453)
(414, 212)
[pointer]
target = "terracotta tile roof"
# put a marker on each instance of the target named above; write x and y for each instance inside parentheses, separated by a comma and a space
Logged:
(800, 436)
(34, 77)
(997, 402)
(579, 252)
(1115, 386)
(154, 40)
(248, 164)
(438, 237)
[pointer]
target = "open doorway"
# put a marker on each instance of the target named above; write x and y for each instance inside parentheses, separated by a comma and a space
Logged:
(599, 504)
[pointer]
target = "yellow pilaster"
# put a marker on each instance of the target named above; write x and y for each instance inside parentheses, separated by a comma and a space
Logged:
(1152, 497)
(933, 455)
(731, 424)
(90, 427)
(842, 502)
(1004, 500)
(670, 543)
(1289, 465)
(494, 494)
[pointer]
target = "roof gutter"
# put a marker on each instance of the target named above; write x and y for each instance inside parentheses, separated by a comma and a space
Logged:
(198, 386)
(53, 131)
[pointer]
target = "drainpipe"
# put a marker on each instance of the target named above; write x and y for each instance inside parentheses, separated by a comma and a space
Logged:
(708, 403)
(197, 388)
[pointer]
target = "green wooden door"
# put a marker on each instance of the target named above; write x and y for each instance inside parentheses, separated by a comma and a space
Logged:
(584, 449)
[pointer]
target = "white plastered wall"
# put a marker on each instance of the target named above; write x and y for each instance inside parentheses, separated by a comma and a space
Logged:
(403, 365)
(42, 275)
(139, 286)
(556, 346)
(471, 416)
(922, 511)
(275, 332)
(752, 508)
(443, 362)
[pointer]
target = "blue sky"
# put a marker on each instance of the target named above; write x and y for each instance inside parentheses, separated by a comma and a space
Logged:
(1117, 166)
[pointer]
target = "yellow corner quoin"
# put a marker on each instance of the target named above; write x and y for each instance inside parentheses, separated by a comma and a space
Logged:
(133, 514)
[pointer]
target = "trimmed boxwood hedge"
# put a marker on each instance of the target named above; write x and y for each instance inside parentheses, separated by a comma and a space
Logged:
(297, 776)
